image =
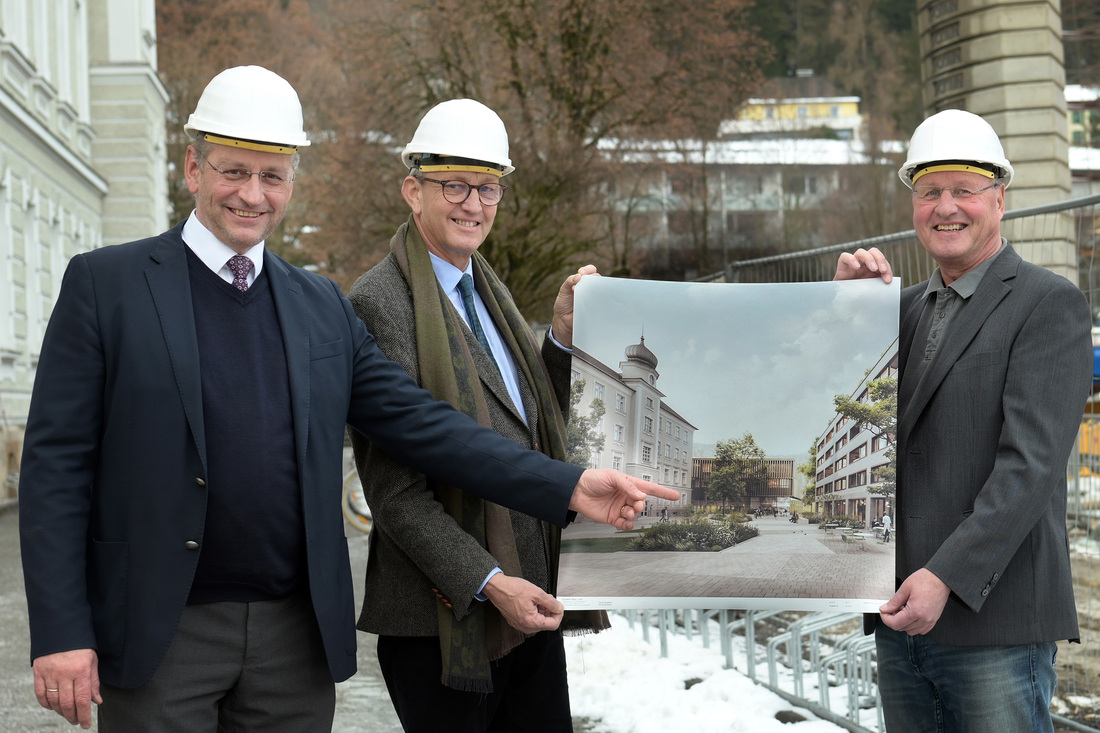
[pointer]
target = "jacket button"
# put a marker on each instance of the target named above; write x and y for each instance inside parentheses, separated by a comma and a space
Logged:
(200, 481)
(191, 545)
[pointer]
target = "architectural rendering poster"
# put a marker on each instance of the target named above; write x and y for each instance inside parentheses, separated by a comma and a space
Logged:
(742, 397)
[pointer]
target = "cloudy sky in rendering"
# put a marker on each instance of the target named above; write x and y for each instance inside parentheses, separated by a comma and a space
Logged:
(735, 358)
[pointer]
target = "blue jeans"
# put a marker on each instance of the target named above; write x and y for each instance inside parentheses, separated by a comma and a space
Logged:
(934, 688)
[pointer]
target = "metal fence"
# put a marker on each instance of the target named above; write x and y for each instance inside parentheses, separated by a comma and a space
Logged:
(1063, 237)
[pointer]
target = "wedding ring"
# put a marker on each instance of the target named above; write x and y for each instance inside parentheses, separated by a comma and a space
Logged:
(49, 690)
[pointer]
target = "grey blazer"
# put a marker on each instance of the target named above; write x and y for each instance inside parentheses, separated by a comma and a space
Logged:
(415, 545)
(982, 451)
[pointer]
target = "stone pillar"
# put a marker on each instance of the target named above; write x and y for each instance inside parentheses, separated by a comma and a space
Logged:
(127, 109)
(1004, 61)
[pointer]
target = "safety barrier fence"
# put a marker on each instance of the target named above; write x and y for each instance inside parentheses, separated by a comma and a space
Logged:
(824, 648)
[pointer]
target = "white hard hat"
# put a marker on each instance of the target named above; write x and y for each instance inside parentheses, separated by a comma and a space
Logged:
(460, 134)
(250, 107)
(957, 141)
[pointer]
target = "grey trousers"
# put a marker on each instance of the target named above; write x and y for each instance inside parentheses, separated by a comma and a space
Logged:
(232, 668)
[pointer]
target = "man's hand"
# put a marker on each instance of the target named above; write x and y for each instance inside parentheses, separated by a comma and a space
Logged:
(612, 497)
(563, 307)
(524, 605)
(863, 263)
(917, 605)
(68, 684)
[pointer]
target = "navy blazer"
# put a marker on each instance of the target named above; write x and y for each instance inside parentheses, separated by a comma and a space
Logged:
(114, 484)
(982, 449)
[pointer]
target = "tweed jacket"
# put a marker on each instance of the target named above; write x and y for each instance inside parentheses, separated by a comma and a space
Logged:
(415, 545)
(982, 449)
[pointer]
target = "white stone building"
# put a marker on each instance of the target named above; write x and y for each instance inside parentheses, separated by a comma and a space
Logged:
(643, 436)
(82, 164)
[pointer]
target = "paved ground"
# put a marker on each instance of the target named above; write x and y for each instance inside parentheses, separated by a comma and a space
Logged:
(785, 561)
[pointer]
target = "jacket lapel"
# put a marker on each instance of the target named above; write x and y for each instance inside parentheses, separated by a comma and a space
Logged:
(488, 374)
(990, 292)
(170, 288)
(294, 322)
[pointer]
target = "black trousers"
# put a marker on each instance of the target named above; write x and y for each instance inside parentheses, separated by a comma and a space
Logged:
(530, 689)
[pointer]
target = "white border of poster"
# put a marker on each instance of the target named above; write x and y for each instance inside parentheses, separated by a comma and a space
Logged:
(682, 366)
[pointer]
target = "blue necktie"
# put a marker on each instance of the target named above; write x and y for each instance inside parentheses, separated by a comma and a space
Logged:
(466, 288)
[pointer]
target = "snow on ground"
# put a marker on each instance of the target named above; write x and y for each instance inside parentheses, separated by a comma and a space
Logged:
(620, 683)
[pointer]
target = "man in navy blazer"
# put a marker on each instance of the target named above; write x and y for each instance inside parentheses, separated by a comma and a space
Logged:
(183, 547)
(995, 366)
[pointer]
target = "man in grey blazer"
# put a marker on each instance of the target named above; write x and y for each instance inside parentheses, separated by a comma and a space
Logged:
(995, 364)
(471, 642)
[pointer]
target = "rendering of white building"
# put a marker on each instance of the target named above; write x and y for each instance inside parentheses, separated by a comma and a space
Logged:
(82, 164)
(643, 436)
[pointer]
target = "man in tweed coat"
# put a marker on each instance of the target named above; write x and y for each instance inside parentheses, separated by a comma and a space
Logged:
(459, 590)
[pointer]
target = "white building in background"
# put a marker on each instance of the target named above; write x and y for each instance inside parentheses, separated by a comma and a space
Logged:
(82, 164)
(643, 436)
(849, 456)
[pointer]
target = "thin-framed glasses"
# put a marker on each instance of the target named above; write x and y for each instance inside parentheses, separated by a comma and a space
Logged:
(458, 191)
(239, 176)
(928, 194)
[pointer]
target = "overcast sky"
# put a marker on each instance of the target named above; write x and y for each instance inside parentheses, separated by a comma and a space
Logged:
(735, 358)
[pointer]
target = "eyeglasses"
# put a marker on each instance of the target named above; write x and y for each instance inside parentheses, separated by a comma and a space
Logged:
(239, 176)
(928, 194)
(458, 191)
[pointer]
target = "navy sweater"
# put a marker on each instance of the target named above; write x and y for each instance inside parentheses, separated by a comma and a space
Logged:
(253, 546)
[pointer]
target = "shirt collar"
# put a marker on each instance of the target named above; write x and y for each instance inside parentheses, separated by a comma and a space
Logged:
(966, 285)
(447, 274)
(212, 251)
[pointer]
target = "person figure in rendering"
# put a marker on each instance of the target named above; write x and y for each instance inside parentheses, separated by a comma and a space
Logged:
(886, 524)
(179, 507)
(995, 357)
(472, 640)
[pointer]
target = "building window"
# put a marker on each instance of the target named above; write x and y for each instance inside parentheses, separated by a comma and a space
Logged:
(834, 111)
(649, 403)
(618, 433)
(803, 113)
(860, 452)
(647, 454)
(1078, 117)
(668, 450)
(878, 443)
(876, 472)
(666, 475)
(668, 427)
(648, 425)
(598, 390)
(646, 477)
(859, 478)
(1079, 137)
(617, 462)
(677, 432)
(574, 375)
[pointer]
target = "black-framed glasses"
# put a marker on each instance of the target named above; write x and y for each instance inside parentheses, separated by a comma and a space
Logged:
(456, 192)
(270, 180)
(929, 194)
